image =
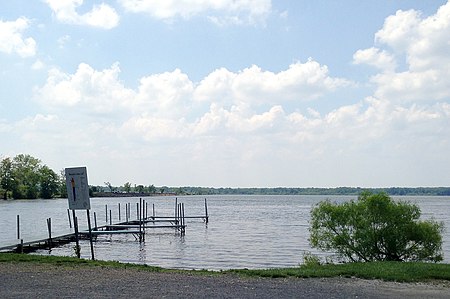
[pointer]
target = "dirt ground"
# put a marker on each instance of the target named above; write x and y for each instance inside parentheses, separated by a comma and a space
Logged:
(30, 280)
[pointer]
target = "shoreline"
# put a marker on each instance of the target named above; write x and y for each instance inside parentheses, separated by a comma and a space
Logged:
(39, 280)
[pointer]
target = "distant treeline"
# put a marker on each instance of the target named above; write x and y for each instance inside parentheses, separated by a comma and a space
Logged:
(394, 191)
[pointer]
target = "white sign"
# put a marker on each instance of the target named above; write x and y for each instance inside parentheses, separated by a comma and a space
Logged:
(77, 188)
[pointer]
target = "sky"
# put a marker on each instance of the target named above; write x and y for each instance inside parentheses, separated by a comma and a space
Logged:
(230, 93)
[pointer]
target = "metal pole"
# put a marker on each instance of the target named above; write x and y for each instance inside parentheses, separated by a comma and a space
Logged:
(75, 223)
(137, 210)
(68, 216)
(90, 234)
(176, 207)
(49, 227)
(18, 226)
(206, 212)
(141, 213)
(183, 221)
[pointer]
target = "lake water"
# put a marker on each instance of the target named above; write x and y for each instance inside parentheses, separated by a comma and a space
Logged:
(243, 231)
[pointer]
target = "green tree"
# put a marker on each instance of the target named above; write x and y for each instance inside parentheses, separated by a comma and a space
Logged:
(6, 176)
(25, 173)
(48, 181)
(375, 228)
(110, 187)
(127, 187)
(25, 177)
(152, 189)
(62, 189)
(139, 188)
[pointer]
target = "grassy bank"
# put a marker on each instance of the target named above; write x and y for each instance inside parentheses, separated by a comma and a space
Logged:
(390, 271)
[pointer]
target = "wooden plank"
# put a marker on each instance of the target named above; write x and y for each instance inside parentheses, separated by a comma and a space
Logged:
(112, 232)
(125, 226)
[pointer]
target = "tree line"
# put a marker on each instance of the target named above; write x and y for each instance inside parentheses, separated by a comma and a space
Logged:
(392, 191)
(26, 177)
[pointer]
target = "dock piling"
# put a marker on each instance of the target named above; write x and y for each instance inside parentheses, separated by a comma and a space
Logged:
(49, 228)
(18, 226)
(75, 223)
(90, 234)
(206, 212)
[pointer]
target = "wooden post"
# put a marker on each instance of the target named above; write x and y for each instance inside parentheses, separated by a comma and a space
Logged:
(119, 211)
(68, 216)
(126, 212)
(206, 212)
(176, 208)
(75, 224)
(153, 212)
(179, 216)
(183, 228)
(141, 219)
(106, 213)
(49, 227)
(18, 226)
(110, 217)
(90, 234)
(146, 211)
(95, 221)
(137, 210)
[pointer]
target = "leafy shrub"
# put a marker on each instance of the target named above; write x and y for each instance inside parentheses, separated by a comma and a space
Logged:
(375, 228)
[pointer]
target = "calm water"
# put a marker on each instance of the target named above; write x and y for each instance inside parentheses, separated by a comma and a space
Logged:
(243, 231)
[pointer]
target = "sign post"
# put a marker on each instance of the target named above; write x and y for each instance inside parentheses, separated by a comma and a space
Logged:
(78, 197)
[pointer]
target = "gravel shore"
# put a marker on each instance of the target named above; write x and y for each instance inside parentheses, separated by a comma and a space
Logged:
(33, 280)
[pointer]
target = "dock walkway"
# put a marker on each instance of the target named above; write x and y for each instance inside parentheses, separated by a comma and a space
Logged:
(136, 227)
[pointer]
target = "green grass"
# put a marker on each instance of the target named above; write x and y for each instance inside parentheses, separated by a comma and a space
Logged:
(390, 271)
(75, 262)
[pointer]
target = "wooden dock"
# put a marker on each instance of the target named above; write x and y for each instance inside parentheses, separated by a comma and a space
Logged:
(137, 227)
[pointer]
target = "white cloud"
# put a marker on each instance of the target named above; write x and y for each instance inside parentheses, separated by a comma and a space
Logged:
(97, 92)
(173, 95)
(101, 15)
(37, 65)
(166, 94)
(378, 58)
(160, 106)
(12, 41)
(399, 30)
(300, 82)
(221, 12)
(219, 122)
(421, 42)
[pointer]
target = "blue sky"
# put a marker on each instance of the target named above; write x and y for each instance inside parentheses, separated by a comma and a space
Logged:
(243, 93)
